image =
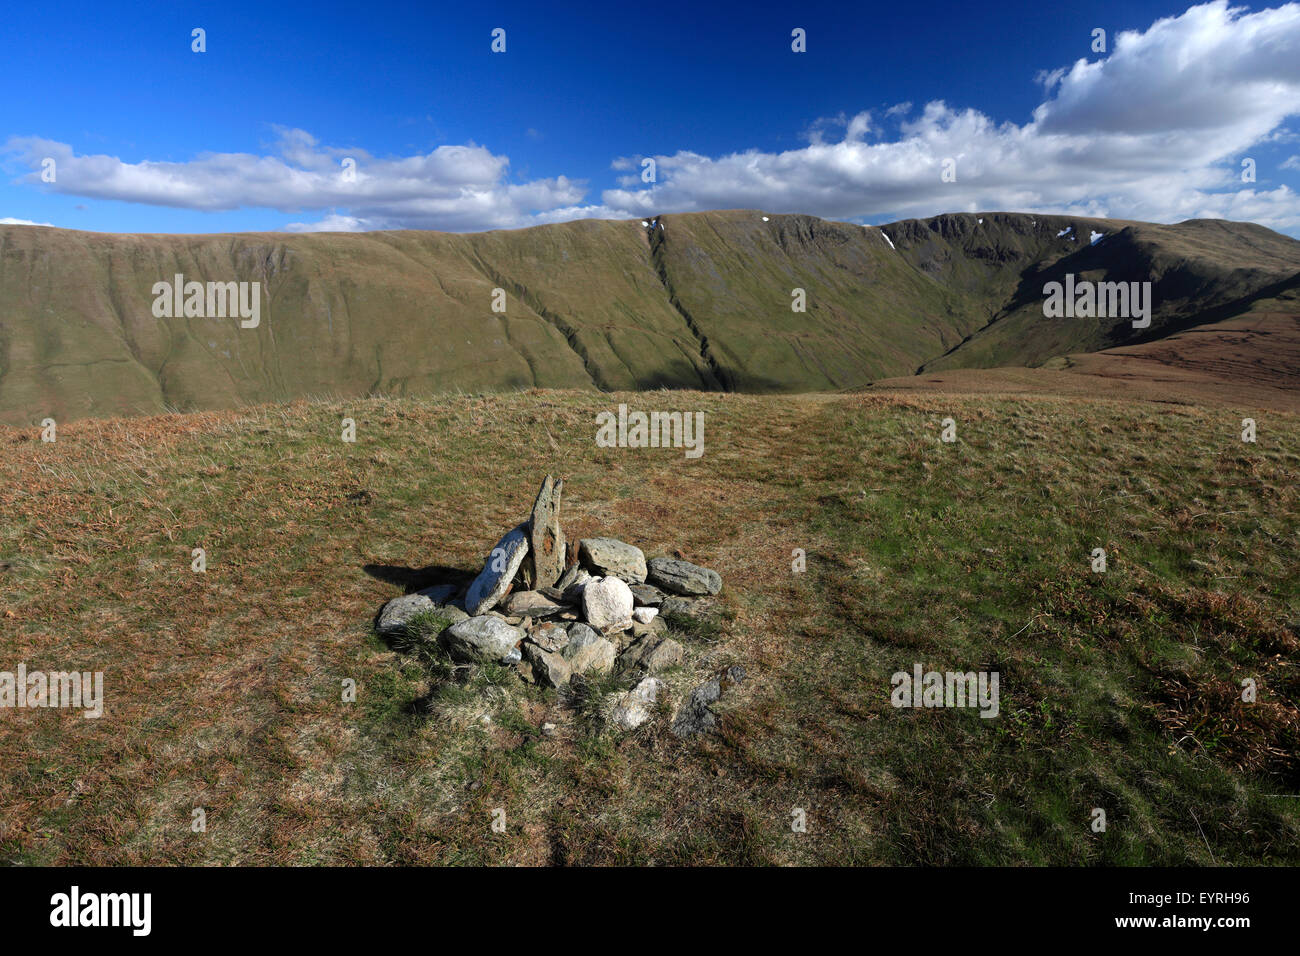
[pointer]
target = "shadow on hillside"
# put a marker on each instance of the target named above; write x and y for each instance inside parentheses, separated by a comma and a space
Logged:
(411, 580)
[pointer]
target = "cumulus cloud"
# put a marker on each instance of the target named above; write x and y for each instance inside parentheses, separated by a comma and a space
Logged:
(1155, 130)
(452, 187)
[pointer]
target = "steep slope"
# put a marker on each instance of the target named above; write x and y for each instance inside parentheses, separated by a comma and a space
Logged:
(697, 301)
(1199, 270)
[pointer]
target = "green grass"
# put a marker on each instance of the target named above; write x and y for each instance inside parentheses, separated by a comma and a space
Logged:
(1119, 691)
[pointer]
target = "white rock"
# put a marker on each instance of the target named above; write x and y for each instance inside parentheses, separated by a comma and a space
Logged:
(645, 614)
(607, 602)
(635, 707)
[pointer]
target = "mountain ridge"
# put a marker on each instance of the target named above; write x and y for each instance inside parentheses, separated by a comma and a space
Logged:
(691, 300)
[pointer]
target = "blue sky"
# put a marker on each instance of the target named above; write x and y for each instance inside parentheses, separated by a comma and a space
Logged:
(148, 136)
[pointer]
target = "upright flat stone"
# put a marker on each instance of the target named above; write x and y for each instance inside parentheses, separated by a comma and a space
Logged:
(545, 561)
(609, 557)
(494, 580)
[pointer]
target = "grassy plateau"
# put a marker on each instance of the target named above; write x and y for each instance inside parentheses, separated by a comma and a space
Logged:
(1120, 691)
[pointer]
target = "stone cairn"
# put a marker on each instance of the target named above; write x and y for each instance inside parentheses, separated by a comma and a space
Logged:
(554, 611)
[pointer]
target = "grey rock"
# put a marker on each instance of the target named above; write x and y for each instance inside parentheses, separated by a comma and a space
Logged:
(530, 603)
(482, 639)
(587, 651)
(570, 576)
(398, 612)
(498, 572)
(580, 634)
(545, 561)
(607, 603)
(549, 669)
(655, 626)
(609, 557)
(573, 593)
(647, 595)
(549, 636)
(652, 654)
(682, 577)
(440, 593)
(696, 715)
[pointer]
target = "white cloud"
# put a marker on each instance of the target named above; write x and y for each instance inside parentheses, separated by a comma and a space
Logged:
(9, 221)
(452, 187)
(1156, 130)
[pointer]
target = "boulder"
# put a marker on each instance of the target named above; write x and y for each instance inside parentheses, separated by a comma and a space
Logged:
(545, 561)
(634, 708)
(651, 654)
(682, 577)
(549, 668)
(607, 603)
(482, 639)
(696, 715)
(587, 651)
(609, 557)
(549, 636)
(399, 611)
(494, 580)
(531, 603)
(647, 595)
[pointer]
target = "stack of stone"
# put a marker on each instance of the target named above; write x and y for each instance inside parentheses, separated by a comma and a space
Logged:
(553, 611)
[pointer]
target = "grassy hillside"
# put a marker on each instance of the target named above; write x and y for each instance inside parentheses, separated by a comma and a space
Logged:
(704, 303)
(1120, 690)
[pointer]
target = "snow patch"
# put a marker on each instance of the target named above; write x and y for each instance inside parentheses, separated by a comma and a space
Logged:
(1095, 237)
(1066, 230)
